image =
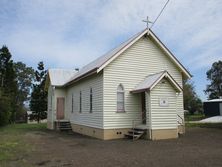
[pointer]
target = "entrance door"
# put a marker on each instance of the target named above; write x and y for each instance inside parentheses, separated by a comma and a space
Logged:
(143, 104)
(60, 108)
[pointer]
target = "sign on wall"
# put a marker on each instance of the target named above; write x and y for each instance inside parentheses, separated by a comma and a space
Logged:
(164, 102)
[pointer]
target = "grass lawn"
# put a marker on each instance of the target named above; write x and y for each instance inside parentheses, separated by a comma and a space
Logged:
(12, 143)
(194, 117)
(189, 119)
(32, 145)
(205, 125)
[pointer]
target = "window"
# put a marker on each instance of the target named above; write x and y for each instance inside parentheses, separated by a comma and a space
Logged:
(72, 103)
(80, 101)
(91, 94)
(120, 98)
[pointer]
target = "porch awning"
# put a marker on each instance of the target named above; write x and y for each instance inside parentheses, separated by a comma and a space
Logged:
(152, 80)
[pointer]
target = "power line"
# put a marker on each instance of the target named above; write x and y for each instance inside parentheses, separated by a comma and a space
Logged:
(160, 13)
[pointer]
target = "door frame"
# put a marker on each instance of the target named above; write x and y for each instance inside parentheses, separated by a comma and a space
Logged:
(60, 114)
(143, 107)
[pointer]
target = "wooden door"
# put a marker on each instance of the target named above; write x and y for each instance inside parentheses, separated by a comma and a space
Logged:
(143, 104)
(60, 108)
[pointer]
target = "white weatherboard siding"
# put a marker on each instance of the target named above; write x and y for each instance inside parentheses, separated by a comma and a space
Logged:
(50, 104)
(163, 117)
(142, 59)
(94, 119)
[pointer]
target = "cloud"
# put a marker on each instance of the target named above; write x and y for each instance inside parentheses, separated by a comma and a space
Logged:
(69, 34)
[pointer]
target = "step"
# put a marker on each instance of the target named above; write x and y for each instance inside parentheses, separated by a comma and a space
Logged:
(65, 128)
(65, 125)
(136, 131)
(131, 135)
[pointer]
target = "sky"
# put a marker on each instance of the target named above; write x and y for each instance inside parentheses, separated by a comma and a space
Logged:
(71, 33)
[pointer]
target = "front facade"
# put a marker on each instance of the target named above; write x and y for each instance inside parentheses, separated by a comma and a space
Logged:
(138, 84)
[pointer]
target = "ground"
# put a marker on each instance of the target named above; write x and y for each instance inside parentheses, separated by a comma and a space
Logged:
(33, 145)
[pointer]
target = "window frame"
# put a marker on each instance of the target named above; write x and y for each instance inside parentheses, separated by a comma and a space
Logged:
(91, 101)
(72, 111)
(80, 102)
(122, 102)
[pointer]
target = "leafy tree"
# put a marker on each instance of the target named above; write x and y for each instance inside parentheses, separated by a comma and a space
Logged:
(214, 75)
(25, 76)
(4, 109)
(38, 103)
(8, 84)
(192, 102)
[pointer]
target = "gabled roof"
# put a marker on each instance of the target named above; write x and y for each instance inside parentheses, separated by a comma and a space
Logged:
(152, 80)
(100, 63)
(58, 77)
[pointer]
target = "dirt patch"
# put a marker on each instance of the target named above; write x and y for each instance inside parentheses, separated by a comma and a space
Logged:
(198, 147)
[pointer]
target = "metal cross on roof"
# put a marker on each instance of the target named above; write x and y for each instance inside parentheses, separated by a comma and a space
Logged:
(147, 23)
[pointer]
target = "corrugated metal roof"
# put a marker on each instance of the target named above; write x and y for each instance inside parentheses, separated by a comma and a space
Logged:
(214, 100)
(148, 82)
(99, 62)
(59, 77)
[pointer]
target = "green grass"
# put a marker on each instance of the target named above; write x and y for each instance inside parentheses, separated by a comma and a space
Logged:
(205, 125)
(195, 117)
(12, 143)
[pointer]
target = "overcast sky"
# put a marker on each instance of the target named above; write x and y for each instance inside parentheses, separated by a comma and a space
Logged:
(71, 33)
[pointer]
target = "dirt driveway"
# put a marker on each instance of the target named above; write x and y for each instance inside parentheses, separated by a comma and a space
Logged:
(199, 147)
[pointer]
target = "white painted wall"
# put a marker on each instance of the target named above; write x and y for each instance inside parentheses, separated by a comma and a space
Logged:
(130, 68)
(50, 105)
(94, 119)
(53, 93)
(163, 117)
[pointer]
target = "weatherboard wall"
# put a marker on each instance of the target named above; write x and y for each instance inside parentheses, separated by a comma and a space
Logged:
(50, 107)
(129, 69)
(85, 117)
(163, 116)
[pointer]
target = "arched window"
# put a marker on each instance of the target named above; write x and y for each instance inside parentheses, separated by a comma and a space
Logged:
(120, 98)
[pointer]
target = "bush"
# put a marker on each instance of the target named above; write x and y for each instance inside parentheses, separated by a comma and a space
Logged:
(4, 118)
(5, 110)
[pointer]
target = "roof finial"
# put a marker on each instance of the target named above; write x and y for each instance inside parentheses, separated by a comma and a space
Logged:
(147, 24)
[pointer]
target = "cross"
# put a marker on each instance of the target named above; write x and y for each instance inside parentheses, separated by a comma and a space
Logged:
(147, 23)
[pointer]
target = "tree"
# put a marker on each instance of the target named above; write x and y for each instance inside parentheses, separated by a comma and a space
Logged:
(25, 77)
(38, 103)
(4, 109)
(8, 84)
(192, 102)
(214, 75)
